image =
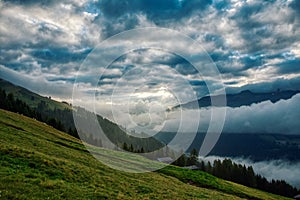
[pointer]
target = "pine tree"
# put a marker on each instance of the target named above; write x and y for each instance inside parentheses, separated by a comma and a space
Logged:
(193, 157)
(142, 150)
(125, 147)
(131, 149)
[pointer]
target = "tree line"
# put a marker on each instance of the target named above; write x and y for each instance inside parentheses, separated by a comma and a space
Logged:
(41, 113)
(228, 170)
(62, 119)
(131, 149)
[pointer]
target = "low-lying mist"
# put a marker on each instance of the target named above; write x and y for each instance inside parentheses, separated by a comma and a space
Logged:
(271, 169)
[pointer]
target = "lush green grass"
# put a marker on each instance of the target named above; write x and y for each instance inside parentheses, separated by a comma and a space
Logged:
(39, 162)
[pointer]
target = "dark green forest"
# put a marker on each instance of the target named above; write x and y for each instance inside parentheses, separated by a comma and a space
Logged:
(59, 119)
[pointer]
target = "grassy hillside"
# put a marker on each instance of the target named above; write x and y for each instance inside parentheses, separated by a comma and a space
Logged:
(39, 162)
(60, 115)
(30, 98)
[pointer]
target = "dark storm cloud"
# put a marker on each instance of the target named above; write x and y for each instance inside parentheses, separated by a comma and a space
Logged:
(190, 6)
(31, 2)
(16, 66)
(222, 4)
(113, 26)
(117, 16)
(289, 66)
(59, 55)
(295, 5)
(225, 62)
(156, 10)
(251, 61)
(219, 56)
(231, 83)
(247, 10)
(197, 83)
(109, 76)
(117, 8)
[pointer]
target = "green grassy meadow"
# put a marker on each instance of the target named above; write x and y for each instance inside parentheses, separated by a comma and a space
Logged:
(39, 162)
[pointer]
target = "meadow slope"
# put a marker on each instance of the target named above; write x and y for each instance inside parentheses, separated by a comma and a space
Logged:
(39, 162)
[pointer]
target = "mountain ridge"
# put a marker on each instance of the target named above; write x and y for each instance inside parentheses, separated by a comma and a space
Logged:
(63, 113)
(243, 98)
(31, 98)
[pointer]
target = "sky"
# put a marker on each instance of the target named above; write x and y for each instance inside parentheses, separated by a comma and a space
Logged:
(47, 46)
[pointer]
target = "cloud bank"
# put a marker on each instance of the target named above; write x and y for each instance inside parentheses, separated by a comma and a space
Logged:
(272, 169)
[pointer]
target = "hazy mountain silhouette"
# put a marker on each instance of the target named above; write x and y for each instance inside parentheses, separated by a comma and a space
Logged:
(244, 98)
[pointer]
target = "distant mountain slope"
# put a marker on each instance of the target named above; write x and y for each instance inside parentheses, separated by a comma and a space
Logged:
(63, 112)
(258, 146)
(31, 98)
(39, 162)
(244, 98)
